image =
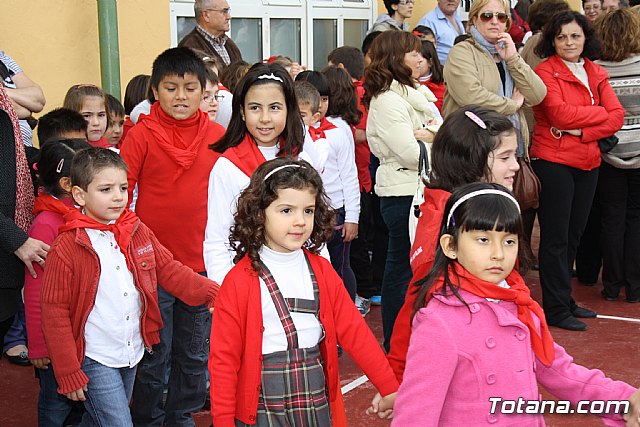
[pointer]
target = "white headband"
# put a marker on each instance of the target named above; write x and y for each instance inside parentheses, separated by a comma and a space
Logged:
(479, 193)
(279, 168)
(270, 77)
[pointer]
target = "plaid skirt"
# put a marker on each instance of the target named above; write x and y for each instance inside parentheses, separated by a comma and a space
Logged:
(293, 392)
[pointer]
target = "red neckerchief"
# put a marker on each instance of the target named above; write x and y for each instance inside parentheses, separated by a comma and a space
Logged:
(246, 155)
(317, 133)
(518, 292)
(122, 229)
(101, 143)
(47, 203)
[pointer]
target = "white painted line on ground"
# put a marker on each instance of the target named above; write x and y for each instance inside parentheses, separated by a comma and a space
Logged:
(354, 384)
(625, 319)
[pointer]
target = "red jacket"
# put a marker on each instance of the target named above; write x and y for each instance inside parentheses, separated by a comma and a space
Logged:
(363, 153)
(568, 106)
(236, 344)
(70, 285)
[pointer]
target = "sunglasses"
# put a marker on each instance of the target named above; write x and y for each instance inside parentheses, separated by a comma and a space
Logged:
(488, 16)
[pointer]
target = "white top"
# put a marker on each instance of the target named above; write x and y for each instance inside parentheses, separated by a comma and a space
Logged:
(577, 68)
(224, 108)
(112, 332)
(291, 273)
(502, 284)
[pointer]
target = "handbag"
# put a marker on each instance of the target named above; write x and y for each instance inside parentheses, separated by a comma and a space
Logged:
(607, 144)
(526, 185)
(418, 197)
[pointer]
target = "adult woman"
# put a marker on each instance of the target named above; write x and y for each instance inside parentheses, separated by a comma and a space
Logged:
(401, 111)
(580, 108)
(619, 179)
(592, 9)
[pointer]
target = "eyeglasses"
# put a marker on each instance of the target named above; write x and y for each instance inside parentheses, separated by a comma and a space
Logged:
(405, 2)
(488, 16)
(210, 98)
(226, 11)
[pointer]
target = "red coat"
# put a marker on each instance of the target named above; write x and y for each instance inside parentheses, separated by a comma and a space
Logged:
(70, 285)
(568, 106)
(236, 344)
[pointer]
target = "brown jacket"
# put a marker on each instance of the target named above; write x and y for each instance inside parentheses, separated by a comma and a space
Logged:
(195, 40)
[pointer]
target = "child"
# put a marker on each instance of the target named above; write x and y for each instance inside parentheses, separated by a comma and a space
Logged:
(61, 123)
(113, 135)
(425, 33)
(339, 177)
(211, 99)
(261, 375)
(477, 333)
(99, 295)
(135, 93)
(169, 160)
(53, 202)
(90, 101)
(431, 74)
(265, 124)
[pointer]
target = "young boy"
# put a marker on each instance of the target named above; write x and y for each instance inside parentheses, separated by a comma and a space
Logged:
(61, 123)
(99, 293)
(339, 174)
(169, 159)
(113, 135)
(211, 99)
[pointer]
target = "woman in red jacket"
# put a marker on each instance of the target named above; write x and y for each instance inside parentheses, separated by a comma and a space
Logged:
(580, 108)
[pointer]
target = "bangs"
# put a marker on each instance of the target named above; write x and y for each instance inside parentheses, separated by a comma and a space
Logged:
(489, 212)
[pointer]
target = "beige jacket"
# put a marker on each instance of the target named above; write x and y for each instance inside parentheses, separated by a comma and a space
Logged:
(393, 116)
(471, 77)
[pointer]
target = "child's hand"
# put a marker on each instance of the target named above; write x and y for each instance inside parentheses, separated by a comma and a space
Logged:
(349, 231)
(40, 363)
(382, 406)
(210, 310)
(77, 395)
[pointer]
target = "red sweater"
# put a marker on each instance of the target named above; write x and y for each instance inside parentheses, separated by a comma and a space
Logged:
(438, 90)
(568, 106)
(236, 344)
(171, 162)
(363, 153)
(70, 285)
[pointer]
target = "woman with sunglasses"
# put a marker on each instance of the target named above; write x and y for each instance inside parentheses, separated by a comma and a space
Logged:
(580, 108)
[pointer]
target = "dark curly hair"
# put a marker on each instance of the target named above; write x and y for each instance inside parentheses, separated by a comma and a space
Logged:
(248, 232)
(546, 46)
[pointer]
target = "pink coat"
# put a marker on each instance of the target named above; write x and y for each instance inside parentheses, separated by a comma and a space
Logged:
(459, 357)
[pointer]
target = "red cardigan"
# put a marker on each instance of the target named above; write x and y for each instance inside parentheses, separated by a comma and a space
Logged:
(568, 106)
(70, 285)
(236, 344)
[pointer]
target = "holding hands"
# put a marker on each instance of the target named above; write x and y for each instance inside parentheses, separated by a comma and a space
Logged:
(382, 406)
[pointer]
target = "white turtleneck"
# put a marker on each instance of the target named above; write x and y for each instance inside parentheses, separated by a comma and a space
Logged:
(577, 68)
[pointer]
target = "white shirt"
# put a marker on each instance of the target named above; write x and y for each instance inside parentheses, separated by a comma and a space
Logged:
(292, 275)
(112, 332)
(502, 284)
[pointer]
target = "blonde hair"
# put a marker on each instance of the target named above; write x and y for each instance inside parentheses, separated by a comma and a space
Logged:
(619, 33)
(479, 4)
(76, 95)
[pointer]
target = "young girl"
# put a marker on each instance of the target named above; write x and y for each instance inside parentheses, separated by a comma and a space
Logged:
(478, 337)
(431, 73)
(90, 101)
(265, 124)
(283, 309)
(53, 202)
(113, 135)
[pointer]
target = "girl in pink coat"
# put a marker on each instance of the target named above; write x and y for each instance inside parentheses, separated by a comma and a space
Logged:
(480, 344)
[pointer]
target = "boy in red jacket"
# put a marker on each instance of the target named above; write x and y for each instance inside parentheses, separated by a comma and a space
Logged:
(169, 160)
(99, 294)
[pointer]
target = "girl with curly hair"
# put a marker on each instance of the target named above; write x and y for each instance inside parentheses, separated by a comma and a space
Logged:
(283, 309)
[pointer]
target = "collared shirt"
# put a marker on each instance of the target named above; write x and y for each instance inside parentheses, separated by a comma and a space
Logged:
(14, 68)
(112, 332)
(218, 43)
(444, 30)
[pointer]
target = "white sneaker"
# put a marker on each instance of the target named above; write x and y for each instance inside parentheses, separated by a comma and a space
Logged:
(363, 305)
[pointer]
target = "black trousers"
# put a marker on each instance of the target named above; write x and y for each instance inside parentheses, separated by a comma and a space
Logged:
(589, 255)
(565, 202)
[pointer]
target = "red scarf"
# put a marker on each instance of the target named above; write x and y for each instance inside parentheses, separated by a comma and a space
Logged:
(317, 133)
(246, 155)
(47, 203)
(24, 186)
(518, 292)
(101, 143)
(169, 135)
(122, 229)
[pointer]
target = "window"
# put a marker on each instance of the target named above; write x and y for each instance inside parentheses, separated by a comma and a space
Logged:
(247, 34)
(324, 40)
(285, 38)
(355, 31)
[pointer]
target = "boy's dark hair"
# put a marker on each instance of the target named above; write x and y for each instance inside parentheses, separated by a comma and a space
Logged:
(293, 133)
(482, 212)
(388, 4)
(231, 75)
(307, 94)
(546, 47)
(58, 122)
(366, 43)
(114, 106)
(343, 100)
(429, 53)
(351, 58)
(461, 148)
(177, 61)
(461, 38)
(88, 163)
(248, 232)
(423, 30)
(541, 11)
(317, 79)
(54, 162)
(136, 92)
(212, 77)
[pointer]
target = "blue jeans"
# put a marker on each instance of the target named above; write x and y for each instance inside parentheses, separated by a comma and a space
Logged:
(108, 395)
(339, 252)
(184, 345)
(53, 407)
(17, 333)
(397, 270)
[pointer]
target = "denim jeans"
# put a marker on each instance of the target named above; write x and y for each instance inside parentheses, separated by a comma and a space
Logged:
(53, 407)
(339, 252)
(397, 270)
(184, 345)
(17, 333)
(108, 395)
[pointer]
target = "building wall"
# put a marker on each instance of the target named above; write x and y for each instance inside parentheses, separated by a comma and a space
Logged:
(56, 41)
